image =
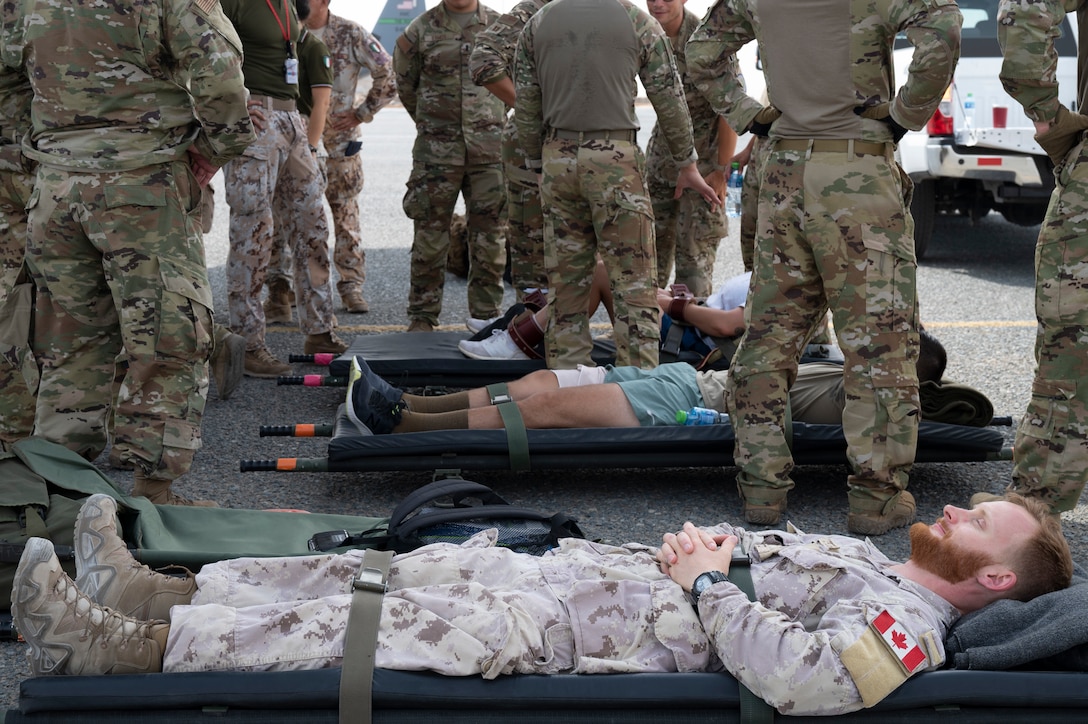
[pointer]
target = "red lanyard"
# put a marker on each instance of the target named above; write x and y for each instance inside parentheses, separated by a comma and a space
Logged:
(285, 30)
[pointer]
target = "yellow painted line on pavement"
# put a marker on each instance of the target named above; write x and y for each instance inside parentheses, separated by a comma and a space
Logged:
(597, 327)
(991, 323)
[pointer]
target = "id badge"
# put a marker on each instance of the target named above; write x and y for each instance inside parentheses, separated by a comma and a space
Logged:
(290, 71)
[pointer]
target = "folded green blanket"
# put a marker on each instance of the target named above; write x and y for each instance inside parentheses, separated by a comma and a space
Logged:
(955, 404)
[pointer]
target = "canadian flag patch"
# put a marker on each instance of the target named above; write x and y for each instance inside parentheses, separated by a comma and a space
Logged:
(899, 640)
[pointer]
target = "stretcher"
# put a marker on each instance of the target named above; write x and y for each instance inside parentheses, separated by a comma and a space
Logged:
(352, 450)
(404, 696)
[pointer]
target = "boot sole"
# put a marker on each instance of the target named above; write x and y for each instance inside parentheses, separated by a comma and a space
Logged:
(44, 658)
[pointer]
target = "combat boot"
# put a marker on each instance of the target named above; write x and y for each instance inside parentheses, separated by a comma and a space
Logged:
(159, 492)
(420, 325)
(70, 634)
(354, 303)
(324, 343)
(228, 362)
(277, 307)
(879, 521)
(109, 575)
(260, 363)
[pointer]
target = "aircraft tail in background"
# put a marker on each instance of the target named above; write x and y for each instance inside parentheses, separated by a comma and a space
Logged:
(394, 19)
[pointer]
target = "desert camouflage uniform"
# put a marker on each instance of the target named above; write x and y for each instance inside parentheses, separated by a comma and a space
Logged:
(114, 238)
(584, 608)
(16, 181)
(594, 190)
(686, 230)
(492, 60)
(353, 50)
(1050, 454)
(278, 164)
(834, 228)
(458, 150)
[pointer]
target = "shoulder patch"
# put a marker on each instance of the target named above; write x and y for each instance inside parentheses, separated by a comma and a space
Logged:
(207, 5)
(899, 640)
(882, 658)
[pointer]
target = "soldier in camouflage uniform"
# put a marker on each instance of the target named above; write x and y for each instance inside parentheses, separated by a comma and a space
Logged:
(114, 240)
(279, 163)
(833, 229)
(354, 50)
(491, 64)
(687, 230)
(458, 150)
(1050, 454)
(576, 119)
(16, 290)
(811, 642)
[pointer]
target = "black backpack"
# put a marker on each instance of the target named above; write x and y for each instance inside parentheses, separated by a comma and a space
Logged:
(452, 511)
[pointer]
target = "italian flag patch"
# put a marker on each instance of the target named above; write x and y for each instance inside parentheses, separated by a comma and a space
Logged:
(899, 640)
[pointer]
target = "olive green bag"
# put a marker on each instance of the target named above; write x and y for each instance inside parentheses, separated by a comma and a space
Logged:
(43, 485)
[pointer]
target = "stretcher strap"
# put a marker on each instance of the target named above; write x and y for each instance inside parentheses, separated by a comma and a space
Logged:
(360, 641)
(517, 440)
(752, 709)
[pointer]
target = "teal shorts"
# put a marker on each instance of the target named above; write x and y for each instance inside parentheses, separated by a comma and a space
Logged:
(656, 395)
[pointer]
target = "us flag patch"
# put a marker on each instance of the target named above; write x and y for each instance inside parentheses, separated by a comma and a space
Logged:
(899, 640)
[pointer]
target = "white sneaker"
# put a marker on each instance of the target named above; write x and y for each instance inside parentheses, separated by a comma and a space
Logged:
(475, 325)
(497, 346)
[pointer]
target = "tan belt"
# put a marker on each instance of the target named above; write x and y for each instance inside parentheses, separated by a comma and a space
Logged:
(627, 134)
(273, 104)
(824, 145)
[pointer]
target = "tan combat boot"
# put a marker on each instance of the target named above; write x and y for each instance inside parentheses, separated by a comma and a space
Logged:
(277, 307)
(353, 302)
(70, 634)
(260, 363)
(880, 521)
(158, 492)
(420, 325)
(228, 361)
(324, 343)
(110, 576)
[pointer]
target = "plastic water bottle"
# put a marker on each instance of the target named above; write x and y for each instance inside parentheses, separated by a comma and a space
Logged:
(701, 416)
(732, 191)
(969, 112)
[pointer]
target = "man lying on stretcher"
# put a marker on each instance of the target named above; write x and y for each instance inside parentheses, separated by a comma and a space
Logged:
(598, 397)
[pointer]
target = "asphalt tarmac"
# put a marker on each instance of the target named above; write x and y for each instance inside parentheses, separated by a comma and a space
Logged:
(975, 290)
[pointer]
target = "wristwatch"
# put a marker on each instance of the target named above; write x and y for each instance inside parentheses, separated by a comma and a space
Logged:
(705, 581)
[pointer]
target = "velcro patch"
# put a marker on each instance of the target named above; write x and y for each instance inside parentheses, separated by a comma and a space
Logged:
(899, 641)
(206, 5)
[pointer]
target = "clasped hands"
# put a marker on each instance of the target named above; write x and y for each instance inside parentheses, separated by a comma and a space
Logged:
(685, 555)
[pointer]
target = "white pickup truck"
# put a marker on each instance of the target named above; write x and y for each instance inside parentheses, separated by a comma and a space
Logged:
(972, 166)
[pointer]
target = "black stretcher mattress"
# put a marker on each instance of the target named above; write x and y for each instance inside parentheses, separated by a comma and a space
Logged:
(402, 696)
(672, 446)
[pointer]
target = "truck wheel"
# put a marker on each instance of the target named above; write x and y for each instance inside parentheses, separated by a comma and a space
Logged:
(1024, 214)
(923, 207)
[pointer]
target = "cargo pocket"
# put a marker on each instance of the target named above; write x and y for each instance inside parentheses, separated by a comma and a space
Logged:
(891, 287)
(1049, 410)
(416, 202)
(248, 186)
(184, 312)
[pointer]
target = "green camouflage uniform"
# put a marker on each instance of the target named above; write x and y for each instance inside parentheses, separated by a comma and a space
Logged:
(492, 60)
(354, 50)
(458, 150)
(1050, 454)
(834, 228)
(16, 182)
(570, 79)
(114, 238)
(686, 230)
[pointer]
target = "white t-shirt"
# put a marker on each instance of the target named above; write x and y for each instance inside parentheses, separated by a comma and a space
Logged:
(732, 294)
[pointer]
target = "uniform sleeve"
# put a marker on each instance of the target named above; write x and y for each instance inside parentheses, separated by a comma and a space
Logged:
(203, 41)
(712, 62)
(493, 54)
(1027, 30)
(407, 65)
(370, 53)
(529, 111)
(661, 79)
(935, 35)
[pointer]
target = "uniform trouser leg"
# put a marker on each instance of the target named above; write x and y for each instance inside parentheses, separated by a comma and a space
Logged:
(345, 184)
(749, 200)
(250, 182)
(429, 202)
(16, 299)
(665, 234)
(485, 204)
(118, 260)
(301, 187)
(815, 225)
(524, 216)
(1050, 453)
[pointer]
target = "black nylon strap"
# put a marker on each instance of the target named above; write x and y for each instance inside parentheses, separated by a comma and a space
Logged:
(753, 710)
